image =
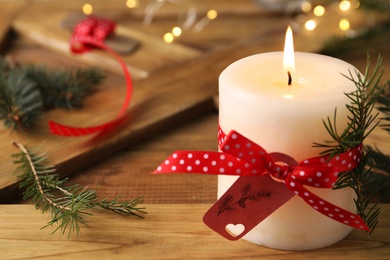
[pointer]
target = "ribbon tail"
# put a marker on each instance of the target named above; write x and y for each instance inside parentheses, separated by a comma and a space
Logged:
(326, 208)
(67, 131)
(202, 162)
(63, 130)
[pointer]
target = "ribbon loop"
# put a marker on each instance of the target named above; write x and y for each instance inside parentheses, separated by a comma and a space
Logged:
(279, 172)
(281, 167)
(91, 27)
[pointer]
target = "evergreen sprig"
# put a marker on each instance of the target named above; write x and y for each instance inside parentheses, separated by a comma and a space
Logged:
(20, 101)
(63, 89)
(378, 5)
(361, 122)
(27, 91)
(68, 205)
(378, 161)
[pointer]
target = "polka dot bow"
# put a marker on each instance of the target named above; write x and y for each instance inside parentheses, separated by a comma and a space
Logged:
(242, 157)
(88, 34)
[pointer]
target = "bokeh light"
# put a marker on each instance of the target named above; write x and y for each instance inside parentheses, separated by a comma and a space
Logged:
(344, 25)
(168, 37)
(310, 25)
(212, 14)
(87, 9)
(306, 7)
(319, 10)
(345, 5)
(176, 31)
(355, 4)
(132, 3)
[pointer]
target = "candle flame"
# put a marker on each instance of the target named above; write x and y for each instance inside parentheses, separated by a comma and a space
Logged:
(288, 55)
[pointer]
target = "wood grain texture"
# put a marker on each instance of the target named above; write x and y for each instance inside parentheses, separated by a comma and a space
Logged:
(127, 173)
(167, 232)
(9, 10)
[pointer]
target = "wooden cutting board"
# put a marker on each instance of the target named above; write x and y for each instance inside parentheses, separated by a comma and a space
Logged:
(9, 10)
(169, 231)
(43, 23)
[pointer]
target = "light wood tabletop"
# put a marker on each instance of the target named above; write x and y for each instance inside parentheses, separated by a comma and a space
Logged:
(174, 108)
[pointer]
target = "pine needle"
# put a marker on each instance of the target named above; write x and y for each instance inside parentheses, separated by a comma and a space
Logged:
(361, 122)
(20, 101)
(63, 88)
(68, 205)
(26, 91)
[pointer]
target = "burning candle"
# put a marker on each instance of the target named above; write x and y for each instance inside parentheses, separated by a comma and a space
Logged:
(281, 108)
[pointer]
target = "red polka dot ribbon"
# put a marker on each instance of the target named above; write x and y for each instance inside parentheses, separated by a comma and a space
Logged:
(242, 157)
(88, 34)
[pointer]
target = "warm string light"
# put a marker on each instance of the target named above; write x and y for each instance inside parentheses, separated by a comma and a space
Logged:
(212, 14)
(306, 7)
(310, 25)
(345, 5)
(177, 31)
(132, 3)
(87, 9)
(168, 37)
(344, 25)
(319, 11)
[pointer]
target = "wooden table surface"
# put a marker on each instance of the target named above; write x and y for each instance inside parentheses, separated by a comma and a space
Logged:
(170, 231)
(173, 227)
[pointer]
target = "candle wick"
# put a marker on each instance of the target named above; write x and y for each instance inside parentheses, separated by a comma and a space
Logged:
(289, 82)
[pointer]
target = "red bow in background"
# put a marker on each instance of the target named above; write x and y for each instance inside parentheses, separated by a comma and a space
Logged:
(242, 157)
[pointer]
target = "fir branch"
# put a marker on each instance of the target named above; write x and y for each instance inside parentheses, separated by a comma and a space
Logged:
(361, 122)
(20, 101)
(25, 91)
(63, 88)
(378, 161)
(68, 205)
(378, 5)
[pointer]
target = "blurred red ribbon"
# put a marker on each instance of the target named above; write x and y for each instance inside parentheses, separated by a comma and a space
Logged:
(88, 34)
(242, 157)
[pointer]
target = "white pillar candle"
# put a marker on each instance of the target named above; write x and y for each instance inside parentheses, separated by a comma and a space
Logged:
(256, 101)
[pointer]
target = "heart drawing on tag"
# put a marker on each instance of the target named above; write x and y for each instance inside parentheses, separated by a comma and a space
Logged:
(235, 230)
